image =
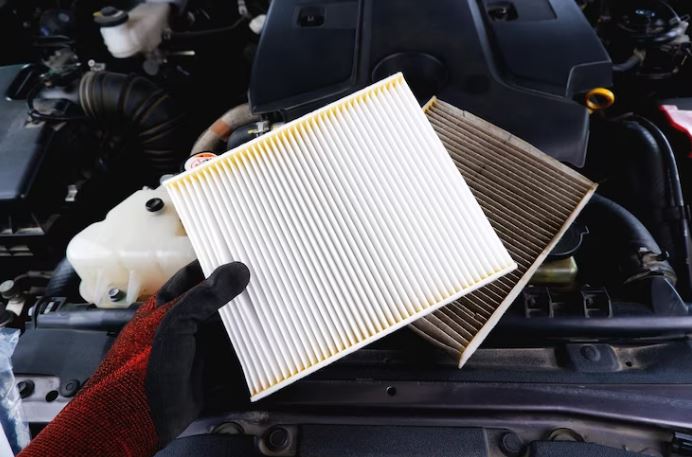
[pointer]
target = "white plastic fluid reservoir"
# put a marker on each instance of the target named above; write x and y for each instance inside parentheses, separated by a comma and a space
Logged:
(131, 253)
(133, 32)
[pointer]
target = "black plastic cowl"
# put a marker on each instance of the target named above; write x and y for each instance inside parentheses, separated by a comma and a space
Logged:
(141, 112)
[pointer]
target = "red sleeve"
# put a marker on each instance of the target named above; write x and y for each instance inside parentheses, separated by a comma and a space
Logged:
(110, 416)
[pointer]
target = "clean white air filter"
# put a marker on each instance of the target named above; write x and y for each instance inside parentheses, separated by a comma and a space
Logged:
(354, 222)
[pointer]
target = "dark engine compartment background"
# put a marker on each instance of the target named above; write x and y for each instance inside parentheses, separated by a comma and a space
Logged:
(622, 319)
(519, 71)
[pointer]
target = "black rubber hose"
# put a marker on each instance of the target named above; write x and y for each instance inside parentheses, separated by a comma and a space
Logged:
(645, 157)
(138, 109)
(668, 156)
(622, 223)
(64, 281)
(629, 64)
(639, 253)
(681, 254)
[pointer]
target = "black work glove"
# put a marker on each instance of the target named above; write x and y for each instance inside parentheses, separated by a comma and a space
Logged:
(187, 346)
(151, 384)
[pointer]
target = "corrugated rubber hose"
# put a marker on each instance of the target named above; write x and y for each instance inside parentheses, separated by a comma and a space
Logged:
(139, 110)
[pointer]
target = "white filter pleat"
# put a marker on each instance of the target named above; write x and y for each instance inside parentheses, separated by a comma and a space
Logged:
(354, 222)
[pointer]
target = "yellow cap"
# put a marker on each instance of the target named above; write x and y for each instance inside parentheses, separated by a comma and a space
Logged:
(599, 98)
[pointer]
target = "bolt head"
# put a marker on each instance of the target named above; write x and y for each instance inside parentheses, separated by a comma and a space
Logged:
(8, 289)
(115, 294)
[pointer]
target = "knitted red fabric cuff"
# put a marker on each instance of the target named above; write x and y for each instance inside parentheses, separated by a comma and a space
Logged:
(110, 416)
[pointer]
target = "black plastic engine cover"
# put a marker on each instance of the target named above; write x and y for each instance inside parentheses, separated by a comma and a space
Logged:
(518, 64)
(36, 159)
(22, 144)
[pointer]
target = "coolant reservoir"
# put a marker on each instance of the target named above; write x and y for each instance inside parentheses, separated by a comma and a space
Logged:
(129, 33)
(132, 253)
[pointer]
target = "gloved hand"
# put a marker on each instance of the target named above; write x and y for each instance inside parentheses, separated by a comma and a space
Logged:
(149, 387)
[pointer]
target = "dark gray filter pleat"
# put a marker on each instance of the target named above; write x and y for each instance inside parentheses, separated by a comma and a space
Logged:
(530, 200)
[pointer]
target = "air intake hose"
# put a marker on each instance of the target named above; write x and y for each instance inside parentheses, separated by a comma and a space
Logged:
(135, 108)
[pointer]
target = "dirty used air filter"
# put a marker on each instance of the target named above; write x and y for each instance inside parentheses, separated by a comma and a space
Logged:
(530, 199)
(353, 221)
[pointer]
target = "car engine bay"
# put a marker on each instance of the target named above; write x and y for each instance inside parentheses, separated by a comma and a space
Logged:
(103, 101)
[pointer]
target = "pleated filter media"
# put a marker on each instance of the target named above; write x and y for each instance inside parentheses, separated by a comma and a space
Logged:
(530, 198)
(354, 222)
